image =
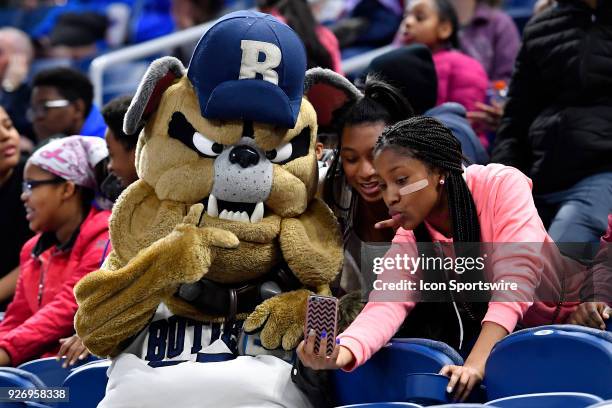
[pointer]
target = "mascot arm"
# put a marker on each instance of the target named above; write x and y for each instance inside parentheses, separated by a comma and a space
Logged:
(312, 247)
(116, 302)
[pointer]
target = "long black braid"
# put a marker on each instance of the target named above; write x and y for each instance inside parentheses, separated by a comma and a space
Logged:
(429, 141)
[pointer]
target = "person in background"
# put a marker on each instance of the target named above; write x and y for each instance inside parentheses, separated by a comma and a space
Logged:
(461, 78)
(16, 54)
(122, 164)
(60, 181)
(557, 126)
(488, 35)
(190, 13)
(121, 146)
(322, 49)
(13, 223)
(62, 105)
(411, 69)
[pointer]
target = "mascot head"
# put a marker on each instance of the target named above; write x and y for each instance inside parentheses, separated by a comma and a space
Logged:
(233, 132)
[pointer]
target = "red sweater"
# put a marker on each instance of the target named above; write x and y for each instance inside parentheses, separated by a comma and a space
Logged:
(36, 319)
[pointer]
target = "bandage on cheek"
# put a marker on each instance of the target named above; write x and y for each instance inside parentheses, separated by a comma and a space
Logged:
(414, 187)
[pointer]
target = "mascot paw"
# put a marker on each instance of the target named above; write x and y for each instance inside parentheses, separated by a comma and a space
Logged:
(280, 319)
(195, 248)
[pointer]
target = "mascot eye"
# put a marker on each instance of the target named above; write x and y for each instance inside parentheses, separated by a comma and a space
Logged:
(206, 146)
(180, 129)
(297, 147)
(280, 155)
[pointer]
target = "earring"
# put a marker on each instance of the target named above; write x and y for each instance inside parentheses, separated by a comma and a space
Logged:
(442, 182)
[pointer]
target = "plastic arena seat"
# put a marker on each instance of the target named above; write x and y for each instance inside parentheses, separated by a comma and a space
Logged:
(14, 377)
(87, 384)
(50, 371)
(558, 358)
(384, 377)
(383, 405)
(547, 400)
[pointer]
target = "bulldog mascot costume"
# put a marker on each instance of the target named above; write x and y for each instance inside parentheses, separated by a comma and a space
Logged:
(218, 245)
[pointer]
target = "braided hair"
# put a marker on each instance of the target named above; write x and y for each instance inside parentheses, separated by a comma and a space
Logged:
(433, 143)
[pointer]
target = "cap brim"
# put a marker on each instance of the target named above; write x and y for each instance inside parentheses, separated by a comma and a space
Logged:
(251, 99)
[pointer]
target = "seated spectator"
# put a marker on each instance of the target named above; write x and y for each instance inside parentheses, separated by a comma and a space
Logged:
(16, 54)
(190, 13)
(62, 105)
(367, 24)
(58, 188)
(13, 221)
(121, 147)
(322, 49)
(596, 311)
(557, 126)
(461, 78)
(121, 150)
(411, 69)
(489, 36)
(77, 36)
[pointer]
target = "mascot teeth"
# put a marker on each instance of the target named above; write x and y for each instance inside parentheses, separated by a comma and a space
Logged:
(256, 210)
(257, 213)
(212, 210)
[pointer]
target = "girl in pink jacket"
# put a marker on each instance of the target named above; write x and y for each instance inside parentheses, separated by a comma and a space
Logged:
(433, 198)
(434, 23)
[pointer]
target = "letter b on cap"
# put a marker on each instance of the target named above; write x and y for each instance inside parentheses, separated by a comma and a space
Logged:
(250, 65)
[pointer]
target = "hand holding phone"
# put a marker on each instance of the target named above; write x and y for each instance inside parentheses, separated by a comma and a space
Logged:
(321, 318)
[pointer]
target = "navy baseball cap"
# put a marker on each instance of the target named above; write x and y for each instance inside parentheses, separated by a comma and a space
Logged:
(249, 66)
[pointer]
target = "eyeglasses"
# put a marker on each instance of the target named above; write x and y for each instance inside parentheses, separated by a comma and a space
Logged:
(28, 185)
(40, 110)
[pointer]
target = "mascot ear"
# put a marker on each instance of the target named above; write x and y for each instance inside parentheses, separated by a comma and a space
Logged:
(328, 91)
(159, 76)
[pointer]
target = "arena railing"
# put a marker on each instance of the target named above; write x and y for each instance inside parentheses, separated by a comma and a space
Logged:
(153, 47)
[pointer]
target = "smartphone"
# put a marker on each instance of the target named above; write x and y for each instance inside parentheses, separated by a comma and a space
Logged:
(322, 314)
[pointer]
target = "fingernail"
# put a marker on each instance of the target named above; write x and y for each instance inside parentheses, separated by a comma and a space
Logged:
(81, 357)
(323, 334)
(337, 341)
(311, 332)
(449, 389)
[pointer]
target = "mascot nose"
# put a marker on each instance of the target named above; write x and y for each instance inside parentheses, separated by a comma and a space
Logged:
(245, 156)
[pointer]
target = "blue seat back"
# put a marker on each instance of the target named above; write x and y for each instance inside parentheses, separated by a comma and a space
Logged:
(547, 400)
(87, 384)
(557, 358)
(383, 377)
(48, 370)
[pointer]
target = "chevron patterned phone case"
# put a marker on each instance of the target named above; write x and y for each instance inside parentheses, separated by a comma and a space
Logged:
(321, 314)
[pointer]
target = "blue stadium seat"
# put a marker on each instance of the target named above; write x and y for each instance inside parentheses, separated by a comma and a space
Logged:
(557, 358)
(50, 371)
(383, 377)
(383, 405)
(14, 377)
(87, 384)
(546, 400)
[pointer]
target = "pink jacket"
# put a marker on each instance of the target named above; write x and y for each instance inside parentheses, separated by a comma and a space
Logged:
(507, 214)
(461, 79)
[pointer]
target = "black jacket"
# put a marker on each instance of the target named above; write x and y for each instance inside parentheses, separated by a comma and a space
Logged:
(557, 126)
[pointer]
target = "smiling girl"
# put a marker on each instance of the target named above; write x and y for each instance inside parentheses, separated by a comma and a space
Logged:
(60, 180)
